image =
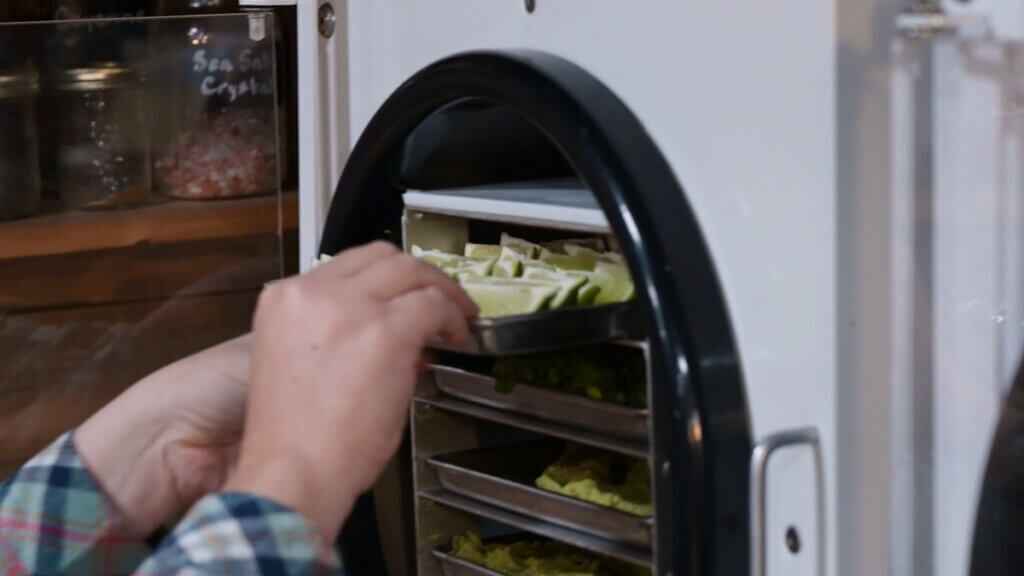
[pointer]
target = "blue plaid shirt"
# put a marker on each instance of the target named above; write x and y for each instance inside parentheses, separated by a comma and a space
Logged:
(54, 519)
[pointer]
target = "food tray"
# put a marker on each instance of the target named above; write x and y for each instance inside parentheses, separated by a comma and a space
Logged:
(453, 566)
(503, 476)
(566, 328)
(577, 411)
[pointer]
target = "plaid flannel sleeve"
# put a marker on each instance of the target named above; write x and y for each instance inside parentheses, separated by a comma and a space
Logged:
(241, 534)
(54, 519)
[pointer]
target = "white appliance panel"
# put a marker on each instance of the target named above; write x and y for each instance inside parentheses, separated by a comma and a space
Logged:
(742, 107)
(979, 248)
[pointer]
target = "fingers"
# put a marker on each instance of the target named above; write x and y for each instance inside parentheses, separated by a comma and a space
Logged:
(422, 301)
(402, 274)
(428, 313)
(355, 260)
(426, 359)
(387, 273)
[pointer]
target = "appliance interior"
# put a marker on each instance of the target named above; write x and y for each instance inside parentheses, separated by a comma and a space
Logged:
(525, 143)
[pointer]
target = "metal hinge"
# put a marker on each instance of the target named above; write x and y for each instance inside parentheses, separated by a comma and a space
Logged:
(927, 20)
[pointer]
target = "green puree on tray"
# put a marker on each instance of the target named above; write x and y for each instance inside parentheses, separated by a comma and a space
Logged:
(601, 478)
(538, 558)
(610, 373)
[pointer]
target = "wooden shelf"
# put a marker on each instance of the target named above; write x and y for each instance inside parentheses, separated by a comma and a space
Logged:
(178, 221)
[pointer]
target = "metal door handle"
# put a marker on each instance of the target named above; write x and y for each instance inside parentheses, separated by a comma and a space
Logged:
(758, 493)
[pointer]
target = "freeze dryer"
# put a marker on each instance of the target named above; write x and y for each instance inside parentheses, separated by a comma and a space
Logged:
(821, 311)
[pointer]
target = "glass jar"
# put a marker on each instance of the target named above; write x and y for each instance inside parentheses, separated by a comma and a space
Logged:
(217, 130)
(19, 146)
(80, 44)
(74, 45)
(103, 157)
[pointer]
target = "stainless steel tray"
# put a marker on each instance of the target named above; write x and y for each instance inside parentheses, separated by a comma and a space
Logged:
(504, 476)
(576, 411)
(566, 328)
(453, 566)
(575, 538)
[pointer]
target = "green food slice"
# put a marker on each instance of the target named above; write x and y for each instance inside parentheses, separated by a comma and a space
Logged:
(585, 263)
(524, 247)
(462, 276)
(481, 268)
(564, 246)
(482, 251)
(568, 285)
(510, 263)
(453, 263)
(507, 269)
(588, 294)
(529, 265)
(615, 282)
(509, 296)
(436, 257)
(576, 250)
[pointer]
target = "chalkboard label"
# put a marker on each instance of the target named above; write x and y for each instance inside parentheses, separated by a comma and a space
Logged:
(233, 77)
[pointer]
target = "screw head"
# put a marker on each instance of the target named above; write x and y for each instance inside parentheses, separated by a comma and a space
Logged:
(327, 20)
(792, 540)
(531, 5)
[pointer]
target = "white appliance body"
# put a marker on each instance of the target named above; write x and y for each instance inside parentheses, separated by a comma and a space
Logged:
(803, 134)
(750, 141)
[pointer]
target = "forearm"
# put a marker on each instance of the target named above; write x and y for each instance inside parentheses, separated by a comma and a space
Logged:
(120, 445)
(294, 480)
(152, 449)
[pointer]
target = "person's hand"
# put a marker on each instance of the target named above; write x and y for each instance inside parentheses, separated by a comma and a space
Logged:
(333, 345)
(336, 354)
(172, 438)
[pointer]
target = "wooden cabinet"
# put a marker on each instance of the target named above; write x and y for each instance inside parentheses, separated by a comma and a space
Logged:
(92, 301)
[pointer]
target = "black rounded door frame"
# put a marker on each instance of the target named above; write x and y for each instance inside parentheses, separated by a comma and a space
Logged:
(702, 432)
(999, 522)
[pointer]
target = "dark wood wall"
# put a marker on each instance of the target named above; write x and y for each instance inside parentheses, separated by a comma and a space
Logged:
(92, 302)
